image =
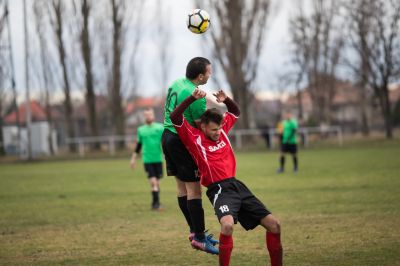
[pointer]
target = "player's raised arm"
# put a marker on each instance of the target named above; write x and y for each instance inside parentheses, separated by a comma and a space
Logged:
(232, 106)
(177, 115)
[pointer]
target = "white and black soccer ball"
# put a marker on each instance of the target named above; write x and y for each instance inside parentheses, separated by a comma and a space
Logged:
(198, 21)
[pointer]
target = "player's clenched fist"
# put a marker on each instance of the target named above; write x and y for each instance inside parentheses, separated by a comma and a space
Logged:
(198, 94)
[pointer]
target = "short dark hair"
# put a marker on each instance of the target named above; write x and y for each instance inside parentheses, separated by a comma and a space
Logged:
(211, 115)
(196, 66)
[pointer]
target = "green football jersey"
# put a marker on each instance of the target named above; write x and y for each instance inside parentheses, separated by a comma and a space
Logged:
(177, 93)
(150, 137)
(289, 131)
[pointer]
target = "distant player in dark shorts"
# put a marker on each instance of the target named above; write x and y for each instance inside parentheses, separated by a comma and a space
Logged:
(178, 160)
(149, 138)
(289, 142)
(232, 200)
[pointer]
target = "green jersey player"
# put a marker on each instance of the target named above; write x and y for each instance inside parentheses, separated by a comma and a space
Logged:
(149, 139)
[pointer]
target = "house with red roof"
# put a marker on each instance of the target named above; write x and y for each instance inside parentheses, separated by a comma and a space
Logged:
(43, 136)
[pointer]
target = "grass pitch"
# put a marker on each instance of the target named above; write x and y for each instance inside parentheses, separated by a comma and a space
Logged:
(341, 208)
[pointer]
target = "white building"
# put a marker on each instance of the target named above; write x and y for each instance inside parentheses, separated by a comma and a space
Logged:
(43, 137)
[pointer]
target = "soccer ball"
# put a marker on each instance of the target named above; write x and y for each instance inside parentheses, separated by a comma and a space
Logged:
(198, 21)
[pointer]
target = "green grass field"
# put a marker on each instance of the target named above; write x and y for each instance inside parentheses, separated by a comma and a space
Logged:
(342, 208)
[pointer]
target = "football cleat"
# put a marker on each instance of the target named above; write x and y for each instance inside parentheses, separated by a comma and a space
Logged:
(209, 237)
(191, 236)
(204, 245)
(279, 170)
(156, 207)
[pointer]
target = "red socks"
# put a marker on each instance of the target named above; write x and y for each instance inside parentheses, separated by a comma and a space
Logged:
(274, 247)
(225, 249)
(272, 240)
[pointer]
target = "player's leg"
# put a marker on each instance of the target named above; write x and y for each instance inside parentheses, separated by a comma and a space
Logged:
(154, 172)
(153, 181)
(182, 202)
(170, 144)
(253, 213)
(188, 173)
(158, 174)
(195, 207)
(226, 240)
(185, 169)
(295, 162)
(273, 239)
(282, 159)
(226, 202)
(294, 157)
(271, 223)
(200, 240)
(151, 175)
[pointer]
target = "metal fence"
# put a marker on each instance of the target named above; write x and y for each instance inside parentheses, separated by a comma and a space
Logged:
(237, 138)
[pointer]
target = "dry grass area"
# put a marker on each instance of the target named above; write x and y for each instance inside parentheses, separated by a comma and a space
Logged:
(342, 208)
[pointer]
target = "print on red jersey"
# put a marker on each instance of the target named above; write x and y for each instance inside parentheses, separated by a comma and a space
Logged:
(217, 147)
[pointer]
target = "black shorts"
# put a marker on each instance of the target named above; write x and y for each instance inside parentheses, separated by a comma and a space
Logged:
(232, 197)
(178, 160)
(153, 170)
(290, 148)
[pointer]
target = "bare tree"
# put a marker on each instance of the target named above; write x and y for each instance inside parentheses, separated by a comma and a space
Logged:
(360, 13)
(383, 54)
(3, 21)
(57, 17)
(87, 59)
(316, 52)
(237, 39)
(3, 16)
(11, 73)
(122, 14)
(116, 98)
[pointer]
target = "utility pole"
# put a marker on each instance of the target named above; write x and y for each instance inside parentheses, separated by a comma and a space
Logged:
(27, 100)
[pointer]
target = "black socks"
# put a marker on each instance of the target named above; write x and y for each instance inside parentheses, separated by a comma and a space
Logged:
(196, 211)
(183, 205)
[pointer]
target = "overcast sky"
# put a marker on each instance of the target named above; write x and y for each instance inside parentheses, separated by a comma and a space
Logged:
(184, 45)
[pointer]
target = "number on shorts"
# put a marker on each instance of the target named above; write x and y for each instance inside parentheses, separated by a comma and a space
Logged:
(224, 208)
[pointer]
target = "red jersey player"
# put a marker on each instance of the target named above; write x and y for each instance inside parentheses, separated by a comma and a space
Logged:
(213, 154)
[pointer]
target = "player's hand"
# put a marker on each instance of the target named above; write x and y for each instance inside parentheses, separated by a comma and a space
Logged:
(133, 162)
(198, 94)
(220, 96)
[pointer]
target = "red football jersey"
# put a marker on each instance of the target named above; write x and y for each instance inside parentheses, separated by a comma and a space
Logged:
(215, 159)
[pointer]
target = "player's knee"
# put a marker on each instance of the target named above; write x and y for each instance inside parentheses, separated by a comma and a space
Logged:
(271, 223)
(275, 226)
(181, 188)
(227, 225)
(193, 191)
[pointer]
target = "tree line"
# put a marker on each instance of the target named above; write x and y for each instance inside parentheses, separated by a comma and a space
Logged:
(84, 43)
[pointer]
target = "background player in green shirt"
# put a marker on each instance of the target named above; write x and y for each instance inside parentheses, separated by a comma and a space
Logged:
(289, 141)
(178, 160)
(149, 138)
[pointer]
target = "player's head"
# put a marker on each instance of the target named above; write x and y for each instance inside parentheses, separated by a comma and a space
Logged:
(287, 115)
(198, 70)
(148, 115)
(210, 123)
